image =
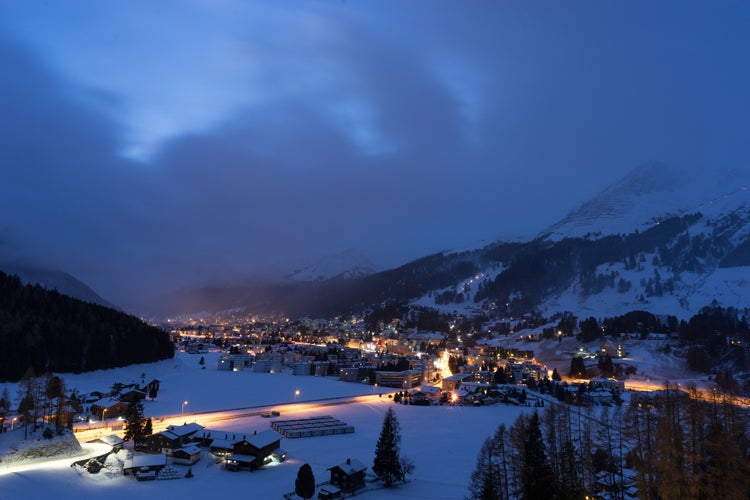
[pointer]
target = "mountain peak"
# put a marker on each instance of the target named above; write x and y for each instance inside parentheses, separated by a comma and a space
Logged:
(646, 195)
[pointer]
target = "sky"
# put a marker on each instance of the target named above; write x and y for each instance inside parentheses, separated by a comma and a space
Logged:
(148, 146)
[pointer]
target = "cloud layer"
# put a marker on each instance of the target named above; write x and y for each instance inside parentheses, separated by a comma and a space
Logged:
(206, 141)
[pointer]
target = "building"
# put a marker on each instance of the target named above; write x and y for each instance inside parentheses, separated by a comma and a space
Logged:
(172, 439)
(144, 467)
(348, 476)
(400, 380)
(256, 451)
(235, 362)
(187, 455)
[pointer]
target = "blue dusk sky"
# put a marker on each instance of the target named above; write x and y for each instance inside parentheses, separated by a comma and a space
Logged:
(148, 145)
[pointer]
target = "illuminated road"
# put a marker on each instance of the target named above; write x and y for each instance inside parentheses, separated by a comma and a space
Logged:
(86, 432)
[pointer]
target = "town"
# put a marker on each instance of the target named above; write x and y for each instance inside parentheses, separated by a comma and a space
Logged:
(400, 364)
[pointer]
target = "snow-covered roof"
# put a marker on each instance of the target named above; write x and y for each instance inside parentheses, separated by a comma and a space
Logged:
(111, 440)
(184, 430)
(146, 460)
(351, 466)
(190, 449)
(263, 439)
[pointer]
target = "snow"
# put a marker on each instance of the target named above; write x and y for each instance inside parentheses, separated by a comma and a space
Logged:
(443, 441)
(649, 193)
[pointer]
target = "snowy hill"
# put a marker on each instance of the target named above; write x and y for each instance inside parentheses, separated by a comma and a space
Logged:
(656, 240)
(648, 194)
(348, 264)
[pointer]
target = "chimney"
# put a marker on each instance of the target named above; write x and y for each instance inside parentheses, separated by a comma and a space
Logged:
(348, 461)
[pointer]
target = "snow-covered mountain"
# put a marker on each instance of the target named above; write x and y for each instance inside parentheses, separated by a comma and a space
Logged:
(348, 264)
(657, 240)
(649, 194)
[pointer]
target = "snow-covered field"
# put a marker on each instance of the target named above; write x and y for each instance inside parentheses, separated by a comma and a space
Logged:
(442, 441)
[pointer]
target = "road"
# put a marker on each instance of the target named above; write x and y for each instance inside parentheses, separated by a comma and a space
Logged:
(89, 431)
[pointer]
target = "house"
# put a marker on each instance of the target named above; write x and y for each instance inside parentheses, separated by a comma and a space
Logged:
(151, 386)
(133, 396)
(187, 455)
(254, 452)
(171, 439)
(144, 467)
(261, 446)
(107, 409)
(112, 440)
(348, 476)
(607, 349)
(453, 382)
(401, 380)
(329, 492)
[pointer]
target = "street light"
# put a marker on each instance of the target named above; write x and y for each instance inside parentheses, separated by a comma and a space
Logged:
(182, 409)
(104, 410)
(296, 393)
(13, 423)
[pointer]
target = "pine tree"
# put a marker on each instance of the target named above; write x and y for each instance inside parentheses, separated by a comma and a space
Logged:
(134, 423)
(537, 480)
(304, 485)
(387, 464)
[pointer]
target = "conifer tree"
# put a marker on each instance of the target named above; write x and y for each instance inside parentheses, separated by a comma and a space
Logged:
(537, 480)
(387, 464)
(304, 485)
(134, 423)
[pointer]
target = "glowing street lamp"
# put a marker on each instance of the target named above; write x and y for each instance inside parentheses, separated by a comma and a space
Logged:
(13, 423)
(296, 394)
(104, 410)
(182, 409)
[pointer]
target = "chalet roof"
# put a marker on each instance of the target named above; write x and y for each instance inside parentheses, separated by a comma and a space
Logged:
(218, 435)
(351, 466)
(184, 430)
(263, 439)
(112, 440)
(430, 389)
(190, 449)
(146, 460)
(239, 457)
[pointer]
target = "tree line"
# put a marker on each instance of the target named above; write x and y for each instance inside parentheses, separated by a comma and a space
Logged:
(51, 332)
(674, 444)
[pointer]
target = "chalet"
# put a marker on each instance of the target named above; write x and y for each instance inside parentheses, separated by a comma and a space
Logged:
(151, 386)
(187, 455)
(453, 382)
(112, 440)
(174, 438)
(144, 467)
(108, 409)
(607, 349)
(255, 451)
(349, 476)
(432, 393)
(329, 492)
(133, 396)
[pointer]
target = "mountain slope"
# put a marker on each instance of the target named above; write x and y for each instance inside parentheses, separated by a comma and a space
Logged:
(48, 331)
(56, 280)
(656, 240)
(648, 194)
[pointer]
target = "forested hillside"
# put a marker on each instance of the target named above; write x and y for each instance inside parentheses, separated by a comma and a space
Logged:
(52, 332)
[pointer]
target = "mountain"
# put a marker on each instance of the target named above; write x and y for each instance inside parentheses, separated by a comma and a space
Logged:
(348, 264)
(656, 240)
(51, 332)
(55, 280)
(648, 194)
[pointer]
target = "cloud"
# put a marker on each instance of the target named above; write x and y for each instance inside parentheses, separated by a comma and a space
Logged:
(399, 129)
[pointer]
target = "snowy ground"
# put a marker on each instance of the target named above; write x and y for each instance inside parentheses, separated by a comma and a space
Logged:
(442, 441)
